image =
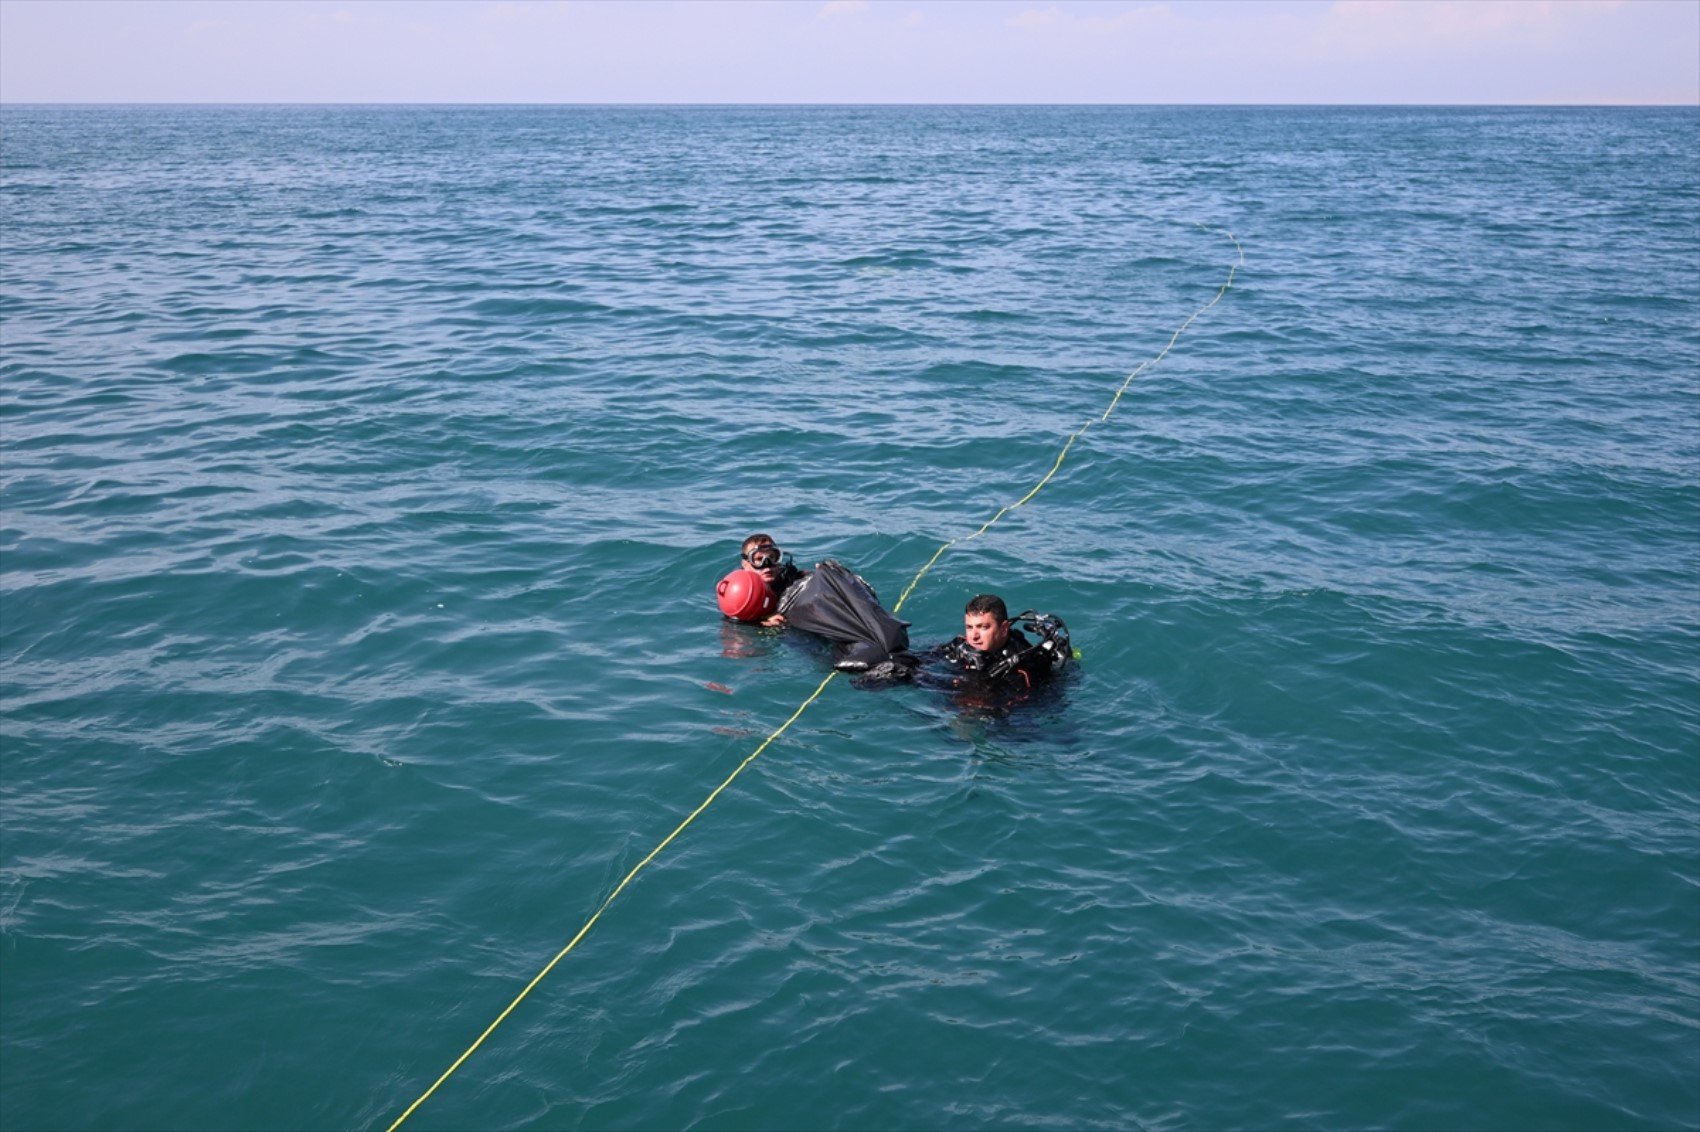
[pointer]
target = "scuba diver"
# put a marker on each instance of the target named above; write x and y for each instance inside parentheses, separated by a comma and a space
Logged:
(829, 601)
(994, 657)
(742, 599)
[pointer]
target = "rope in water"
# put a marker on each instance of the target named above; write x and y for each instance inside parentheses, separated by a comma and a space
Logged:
(815, 695)
(619, 888)
(1090, 421)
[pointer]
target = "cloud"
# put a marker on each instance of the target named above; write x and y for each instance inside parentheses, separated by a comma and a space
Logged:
(1340, 51)
(1133, 51)
(839, 8)
(1368, 29)
(1040, 18)
(1345, 30)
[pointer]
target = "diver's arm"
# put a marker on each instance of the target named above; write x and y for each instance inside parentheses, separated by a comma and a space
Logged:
(942, 651)
(782, 585)
(938, 666)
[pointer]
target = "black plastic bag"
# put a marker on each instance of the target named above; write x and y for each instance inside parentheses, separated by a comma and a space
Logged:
(836, 604)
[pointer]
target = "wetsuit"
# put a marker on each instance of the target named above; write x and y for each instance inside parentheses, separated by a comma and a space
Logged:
(1014, 666)
(787, 576)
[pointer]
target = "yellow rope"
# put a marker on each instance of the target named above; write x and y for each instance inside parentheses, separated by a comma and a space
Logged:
(780, 730)
(1090, 421)
(619, 888)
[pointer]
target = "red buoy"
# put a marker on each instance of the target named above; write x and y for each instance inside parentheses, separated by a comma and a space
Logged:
(744, 596)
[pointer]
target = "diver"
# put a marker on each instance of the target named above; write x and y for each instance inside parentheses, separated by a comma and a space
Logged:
(994, 656)
(831, 602)
(743, 600)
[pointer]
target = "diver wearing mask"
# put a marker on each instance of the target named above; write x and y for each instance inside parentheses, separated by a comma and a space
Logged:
(831, 601)
(994, 653)
(761, 556)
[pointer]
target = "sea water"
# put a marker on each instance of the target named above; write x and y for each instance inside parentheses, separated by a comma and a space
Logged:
(365, 473)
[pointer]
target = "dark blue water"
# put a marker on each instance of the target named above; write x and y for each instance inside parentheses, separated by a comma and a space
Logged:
(364, 475)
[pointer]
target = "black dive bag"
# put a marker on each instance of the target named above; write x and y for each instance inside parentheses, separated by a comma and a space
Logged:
(838, 605)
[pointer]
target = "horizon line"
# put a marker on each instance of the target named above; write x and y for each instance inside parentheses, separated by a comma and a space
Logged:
(776, 104)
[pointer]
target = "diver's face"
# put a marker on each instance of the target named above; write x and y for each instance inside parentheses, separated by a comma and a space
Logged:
(763, 558)
(984, 632)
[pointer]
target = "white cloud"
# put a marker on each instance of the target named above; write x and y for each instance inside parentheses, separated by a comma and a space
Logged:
(1040, 18)
(1377, 28)
(851, 51)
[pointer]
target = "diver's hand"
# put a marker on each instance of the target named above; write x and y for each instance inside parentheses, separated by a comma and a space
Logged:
(775, 621)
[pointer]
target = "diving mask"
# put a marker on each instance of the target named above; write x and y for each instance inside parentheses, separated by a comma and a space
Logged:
(767, 557)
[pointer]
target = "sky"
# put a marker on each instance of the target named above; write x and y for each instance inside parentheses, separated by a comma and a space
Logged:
(852, 51)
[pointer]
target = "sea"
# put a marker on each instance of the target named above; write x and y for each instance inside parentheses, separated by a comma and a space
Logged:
(366, 472)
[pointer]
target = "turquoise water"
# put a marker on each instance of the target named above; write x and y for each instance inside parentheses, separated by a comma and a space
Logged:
(366, 472)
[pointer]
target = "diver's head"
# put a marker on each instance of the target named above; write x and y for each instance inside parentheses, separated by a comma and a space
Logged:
(762, 555)
(985, 623)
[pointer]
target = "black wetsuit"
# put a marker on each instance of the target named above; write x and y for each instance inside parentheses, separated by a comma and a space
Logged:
(787, 576)
(1015, 666)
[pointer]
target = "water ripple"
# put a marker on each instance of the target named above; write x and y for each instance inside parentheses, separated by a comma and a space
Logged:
(365, 470)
